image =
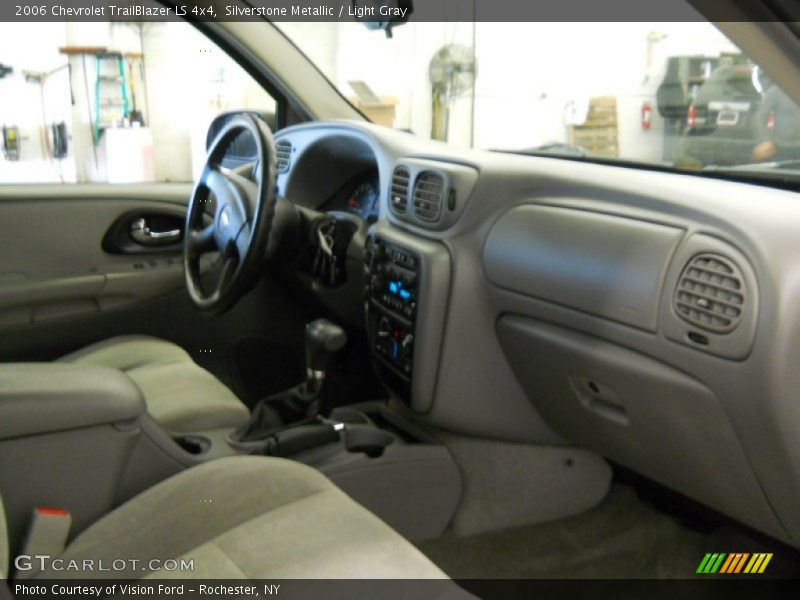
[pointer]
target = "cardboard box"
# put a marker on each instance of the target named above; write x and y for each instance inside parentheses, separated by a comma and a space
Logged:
(382, 113)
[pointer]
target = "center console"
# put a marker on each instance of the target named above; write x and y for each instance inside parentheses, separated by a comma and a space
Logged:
(391, 295)
(375, 451)
(407, 279)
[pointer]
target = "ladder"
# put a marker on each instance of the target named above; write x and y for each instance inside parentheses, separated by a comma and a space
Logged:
(110, 109)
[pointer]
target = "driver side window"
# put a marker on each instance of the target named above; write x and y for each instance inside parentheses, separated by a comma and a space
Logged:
(114, 102)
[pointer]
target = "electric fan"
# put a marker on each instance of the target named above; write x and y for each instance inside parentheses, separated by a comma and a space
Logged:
(452, 72)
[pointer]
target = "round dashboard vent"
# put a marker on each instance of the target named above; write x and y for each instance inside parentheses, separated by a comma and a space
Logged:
(711, 293)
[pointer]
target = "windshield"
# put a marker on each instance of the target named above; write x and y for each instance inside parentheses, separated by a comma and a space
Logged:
(679, 95)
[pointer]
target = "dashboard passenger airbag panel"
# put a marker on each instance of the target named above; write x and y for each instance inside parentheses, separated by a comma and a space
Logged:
(609, 266)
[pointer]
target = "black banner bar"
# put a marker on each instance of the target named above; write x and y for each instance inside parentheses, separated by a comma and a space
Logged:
(413, 10)
(343, 589)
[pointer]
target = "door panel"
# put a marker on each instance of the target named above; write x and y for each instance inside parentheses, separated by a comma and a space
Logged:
(61, 290)
(52, 258)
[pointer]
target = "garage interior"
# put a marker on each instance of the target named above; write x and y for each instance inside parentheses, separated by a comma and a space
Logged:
(616, 90)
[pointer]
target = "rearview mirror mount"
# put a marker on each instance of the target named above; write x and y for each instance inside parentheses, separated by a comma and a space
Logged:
(382, 14)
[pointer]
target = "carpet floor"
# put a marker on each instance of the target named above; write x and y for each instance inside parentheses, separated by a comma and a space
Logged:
(622, 537)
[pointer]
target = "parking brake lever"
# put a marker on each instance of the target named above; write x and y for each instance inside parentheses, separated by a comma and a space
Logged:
(296, 439)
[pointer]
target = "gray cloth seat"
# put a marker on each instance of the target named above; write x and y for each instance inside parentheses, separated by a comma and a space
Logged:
(246, 517)
(179, 394)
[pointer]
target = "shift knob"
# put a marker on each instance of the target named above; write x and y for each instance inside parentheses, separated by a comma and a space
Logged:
(323, 338)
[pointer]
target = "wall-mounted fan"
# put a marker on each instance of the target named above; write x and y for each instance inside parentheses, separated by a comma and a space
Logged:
(452, 72)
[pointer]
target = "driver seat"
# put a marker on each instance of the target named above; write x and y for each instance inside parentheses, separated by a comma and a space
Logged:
(180, 395)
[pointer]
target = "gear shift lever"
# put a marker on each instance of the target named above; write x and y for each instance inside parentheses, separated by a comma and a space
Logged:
(302, 402)
(323, 338)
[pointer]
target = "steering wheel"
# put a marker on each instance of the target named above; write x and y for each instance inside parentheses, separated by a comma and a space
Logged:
(243, 218)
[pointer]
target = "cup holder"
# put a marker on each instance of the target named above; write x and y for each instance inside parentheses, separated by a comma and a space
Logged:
(193, 444)
(367, 440)
(349, 416)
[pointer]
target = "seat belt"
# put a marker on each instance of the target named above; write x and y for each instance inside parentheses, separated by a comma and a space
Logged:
(47, 536)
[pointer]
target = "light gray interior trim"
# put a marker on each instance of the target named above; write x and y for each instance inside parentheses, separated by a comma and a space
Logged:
(77, 470)
(433, 288)
(74, 228)
(601, 264)
(154, 458)
(735, 344)
(477, 392)
(173, 193)
(250, 517)
(285, 65)
(509, 485)
(638, 412)
(458, 179)
(37, 398)
(60, 269)
(322, 166)
(414, 488)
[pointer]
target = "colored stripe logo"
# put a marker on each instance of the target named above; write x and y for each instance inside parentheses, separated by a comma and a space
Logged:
(734, 563)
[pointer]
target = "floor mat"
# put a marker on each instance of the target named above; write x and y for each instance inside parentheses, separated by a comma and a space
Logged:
(622, 537)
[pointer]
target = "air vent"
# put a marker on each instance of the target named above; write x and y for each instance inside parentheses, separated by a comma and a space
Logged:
(428, 196)
(283, 153)
(711, 293)
(399, 190)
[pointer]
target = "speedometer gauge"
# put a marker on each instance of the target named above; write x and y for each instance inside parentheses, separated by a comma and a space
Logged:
(364, 201)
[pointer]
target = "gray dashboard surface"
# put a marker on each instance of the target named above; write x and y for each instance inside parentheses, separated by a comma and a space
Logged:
(600, 264)
(476, 390)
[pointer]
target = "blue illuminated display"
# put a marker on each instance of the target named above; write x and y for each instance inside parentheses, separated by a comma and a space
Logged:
(396, 289)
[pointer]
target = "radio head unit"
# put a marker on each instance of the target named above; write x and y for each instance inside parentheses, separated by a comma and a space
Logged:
(391, 303)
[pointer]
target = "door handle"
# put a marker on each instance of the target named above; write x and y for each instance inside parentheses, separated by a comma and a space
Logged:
(142, 234)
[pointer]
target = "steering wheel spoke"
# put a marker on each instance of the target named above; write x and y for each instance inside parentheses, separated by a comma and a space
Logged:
(227, 271)
(243, 240)
(202, 241)
(248, 189)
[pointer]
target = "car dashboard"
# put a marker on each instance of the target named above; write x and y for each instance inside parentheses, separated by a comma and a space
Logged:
(359, 197)
(648, 316)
